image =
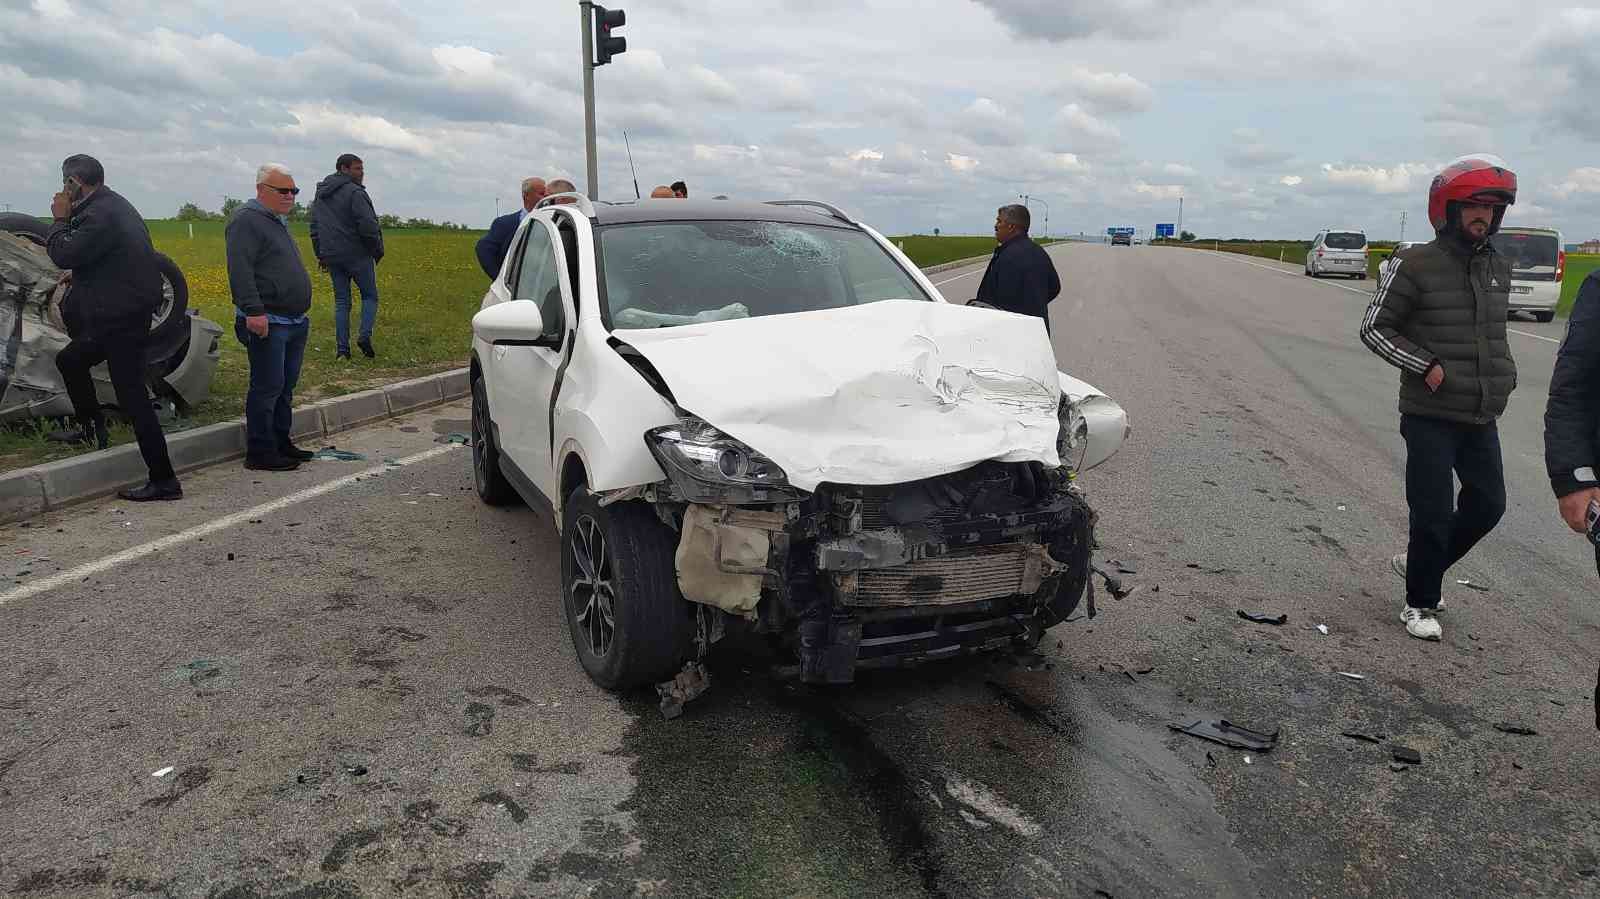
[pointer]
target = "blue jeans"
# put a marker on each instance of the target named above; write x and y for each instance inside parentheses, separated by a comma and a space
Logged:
(274, 371)
(365, 273)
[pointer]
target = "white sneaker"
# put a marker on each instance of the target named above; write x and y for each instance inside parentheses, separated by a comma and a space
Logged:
(1421, 624)
(1398, 563)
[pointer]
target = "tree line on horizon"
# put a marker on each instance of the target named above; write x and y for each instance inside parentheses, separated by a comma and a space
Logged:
(191, 212)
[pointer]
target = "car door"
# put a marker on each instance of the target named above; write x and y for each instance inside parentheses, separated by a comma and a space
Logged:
(527, 375)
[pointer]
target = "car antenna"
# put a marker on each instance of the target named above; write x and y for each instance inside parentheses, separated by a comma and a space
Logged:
(630, 166)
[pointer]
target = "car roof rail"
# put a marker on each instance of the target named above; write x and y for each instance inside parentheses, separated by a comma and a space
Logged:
(832, 210)
(584, 204)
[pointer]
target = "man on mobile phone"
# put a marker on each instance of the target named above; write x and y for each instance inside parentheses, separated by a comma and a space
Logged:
(116, 286)
(1572, 416)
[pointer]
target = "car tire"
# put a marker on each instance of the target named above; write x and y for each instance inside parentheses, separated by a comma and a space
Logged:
(1073, 549)
(1361, 277)
(1544, 316)
(491, 483)
(619, 593)
(25, 226)
(169, 323)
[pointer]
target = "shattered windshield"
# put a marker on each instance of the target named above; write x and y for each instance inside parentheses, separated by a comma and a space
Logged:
(663, 274)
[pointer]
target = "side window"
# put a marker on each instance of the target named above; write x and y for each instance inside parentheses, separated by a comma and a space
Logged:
(539, 280)
(514, 270)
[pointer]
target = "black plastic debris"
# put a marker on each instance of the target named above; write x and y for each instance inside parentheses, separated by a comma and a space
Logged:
(1258, 618)
(230, 557)
(356, 770)
(1517, 729)
(1228, 734)
(1516, 764)
(1597, 701)
(1145, 670)
(1406, 754)
(1211, 760)
(1365, 738)
(1396, 766)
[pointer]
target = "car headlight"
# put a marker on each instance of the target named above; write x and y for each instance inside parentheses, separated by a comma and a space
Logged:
(1072, 444)
(707, 466)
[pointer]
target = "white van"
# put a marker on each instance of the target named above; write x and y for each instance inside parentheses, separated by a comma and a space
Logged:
(1538, 263)
(1338, 251)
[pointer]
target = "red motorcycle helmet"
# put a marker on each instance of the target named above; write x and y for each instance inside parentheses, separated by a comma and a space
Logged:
(1480, 178)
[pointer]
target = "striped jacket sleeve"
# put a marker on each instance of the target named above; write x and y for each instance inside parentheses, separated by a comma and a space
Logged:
(1390, 310)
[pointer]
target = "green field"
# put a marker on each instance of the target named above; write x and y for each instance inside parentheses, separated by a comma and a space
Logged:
(429, 285)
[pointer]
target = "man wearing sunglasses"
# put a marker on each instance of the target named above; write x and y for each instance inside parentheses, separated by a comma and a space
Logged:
(101, 240)
(348, 244)
(272, 292)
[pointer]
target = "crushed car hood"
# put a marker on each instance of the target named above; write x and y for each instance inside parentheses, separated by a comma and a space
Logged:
(882, 393)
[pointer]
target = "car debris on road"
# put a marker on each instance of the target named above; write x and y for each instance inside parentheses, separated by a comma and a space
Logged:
(1229, 734)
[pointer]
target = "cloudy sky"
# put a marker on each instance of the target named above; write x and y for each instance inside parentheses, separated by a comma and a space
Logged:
(1270, 119)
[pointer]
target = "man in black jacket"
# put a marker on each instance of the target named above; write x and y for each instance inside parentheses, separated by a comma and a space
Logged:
(348, 244)
(1439, 315)
(1572, 417)
(493, 246)
(116, 286)
(1020, 277)
(272, 293)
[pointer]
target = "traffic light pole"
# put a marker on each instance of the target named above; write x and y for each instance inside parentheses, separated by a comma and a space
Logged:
(584, 8)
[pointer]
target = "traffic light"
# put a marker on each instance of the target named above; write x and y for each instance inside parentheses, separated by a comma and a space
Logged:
(606, 44)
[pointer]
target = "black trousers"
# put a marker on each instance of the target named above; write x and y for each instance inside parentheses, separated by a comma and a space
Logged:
(1445, 526)
(124, 355)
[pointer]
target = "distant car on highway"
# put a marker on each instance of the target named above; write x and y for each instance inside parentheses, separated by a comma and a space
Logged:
(762, 416)
(1338, 252)
(1383, 267)
(1538, 265)
(1122, 240)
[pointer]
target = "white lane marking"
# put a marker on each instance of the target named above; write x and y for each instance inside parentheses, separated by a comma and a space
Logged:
(89, 569)
(1362, 292)
(958, 277)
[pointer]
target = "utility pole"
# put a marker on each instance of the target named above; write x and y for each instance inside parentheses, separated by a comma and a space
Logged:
(496, 207)
(1180, 216)
(1026, 199)
(1402, 225)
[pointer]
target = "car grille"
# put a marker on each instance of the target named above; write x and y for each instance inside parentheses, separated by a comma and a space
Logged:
(969, 575)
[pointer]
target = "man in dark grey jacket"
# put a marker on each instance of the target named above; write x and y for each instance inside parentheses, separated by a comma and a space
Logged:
(348, 244)
(116, 285)
(1439, 315)
(272, 293)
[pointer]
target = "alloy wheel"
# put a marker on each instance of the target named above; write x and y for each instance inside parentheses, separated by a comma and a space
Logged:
(593, 589)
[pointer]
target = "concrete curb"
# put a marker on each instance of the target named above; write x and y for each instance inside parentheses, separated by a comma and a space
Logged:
(28, 491)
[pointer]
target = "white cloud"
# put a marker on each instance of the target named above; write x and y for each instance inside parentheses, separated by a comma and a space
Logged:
(1159, 191)
(989, 124)
(866, 155)
(711, 86)
(1110, 92)
(726, 153)
(960, 163)
(1584, 180)
(366, 130)
(464, 60)
(1081, 123)
(1178, 170)
(1372, 179)
(1291, 180)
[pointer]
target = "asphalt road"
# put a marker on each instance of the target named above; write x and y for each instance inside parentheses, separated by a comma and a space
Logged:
(362, 685)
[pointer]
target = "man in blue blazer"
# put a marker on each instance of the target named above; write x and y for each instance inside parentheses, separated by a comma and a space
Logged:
(492, 247)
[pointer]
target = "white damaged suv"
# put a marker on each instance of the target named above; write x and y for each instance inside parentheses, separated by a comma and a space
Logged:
(763, 415)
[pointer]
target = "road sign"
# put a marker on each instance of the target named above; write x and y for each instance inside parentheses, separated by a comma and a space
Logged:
(1115, 231)
(1167, 230)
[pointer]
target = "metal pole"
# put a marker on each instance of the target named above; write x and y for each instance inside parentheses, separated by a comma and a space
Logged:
(586, 12)
(1180, 217)
(1402, 225)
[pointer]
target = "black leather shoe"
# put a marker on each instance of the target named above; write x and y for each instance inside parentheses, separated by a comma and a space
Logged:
(290, 451)
(366, 348)
(153, 492)
(270, 463)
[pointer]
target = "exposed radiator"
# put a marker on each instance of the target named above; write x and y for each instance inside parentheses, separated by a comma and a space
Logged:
(968, 575)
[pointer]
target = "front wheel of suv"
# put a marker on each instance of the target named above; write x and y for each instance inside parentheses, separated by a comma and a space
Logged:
(630, 626)
(490, 481)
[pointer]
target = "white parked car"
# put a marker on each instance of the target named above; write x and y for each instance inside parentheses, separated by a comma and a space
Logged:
(765, 416)
(1338, 251)
(1538, 265)
(1402, 246)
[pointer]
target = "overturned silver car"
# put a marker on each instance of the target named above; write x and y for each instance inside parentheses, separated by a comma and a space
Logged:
(184, 349)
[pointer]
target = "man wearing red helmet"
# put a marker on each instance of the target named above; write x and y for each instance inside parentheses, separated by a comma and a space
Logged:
(1439, 315)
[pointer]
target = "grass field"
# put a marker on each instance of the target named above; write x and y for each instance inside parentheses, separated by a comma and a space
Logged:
(429, 285)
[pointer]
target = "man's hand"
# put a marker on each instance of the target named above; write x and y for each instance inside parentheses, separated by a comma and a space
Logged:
(61, 205)
(322, 264)
(1434, 377)
(1574, 506)
(65, 281)
(256, 324)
